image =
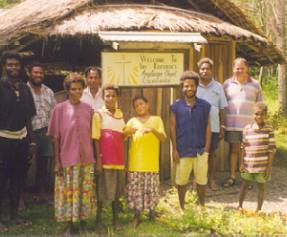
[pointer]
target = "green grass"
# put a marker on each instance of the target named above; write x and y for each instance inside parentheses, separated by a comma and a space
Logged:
(195, 221)
(281, 142)
(220, 220)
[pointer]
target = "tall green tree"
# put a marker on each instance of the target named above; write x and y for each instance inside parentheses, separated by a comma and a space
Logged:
(275, 10)
(4, 3)
(270, 16)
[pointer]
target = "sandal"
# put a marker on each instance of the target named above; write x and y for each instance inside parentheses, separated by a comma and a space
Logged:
(229, 182)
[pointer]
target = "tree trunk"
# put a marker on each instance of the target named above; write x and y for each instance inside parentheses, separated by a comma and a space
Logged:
(276, 10)
(282, 83)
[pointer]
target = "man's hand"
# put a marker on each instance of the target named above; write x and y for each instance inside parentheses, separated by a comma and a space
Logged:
(32, 149)
(268, 171)
(58, 169)
(175, 156)
(221, 132)
(242, 168)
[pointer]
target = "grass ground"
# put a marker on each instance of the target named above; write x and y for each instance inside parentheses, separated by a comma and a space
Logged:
(171, 222)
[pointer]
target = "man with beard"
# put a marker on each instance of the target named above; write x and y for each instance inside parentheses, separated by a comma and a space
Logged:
(16, 110)
(190, 135)
(212, 91)
(44, 101)
(92, 95)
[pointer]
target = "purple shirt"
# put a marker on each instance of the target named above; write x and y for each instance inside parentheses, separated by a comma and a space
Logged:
(71, 124)
(191, 124)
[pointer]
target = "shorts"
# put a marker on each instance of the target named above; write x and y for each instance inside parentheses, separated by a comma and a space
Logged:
(214, 141)
(233, 136)
(257, 177)
(185, 166)
(44, 144)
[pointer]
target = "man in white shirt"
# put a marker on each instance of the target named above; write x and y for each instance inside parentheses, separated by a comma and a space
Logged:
(92, 95)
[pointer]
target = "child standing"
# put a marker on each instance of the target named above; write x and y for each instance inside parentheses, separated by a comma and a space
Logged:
(258, 148)
(143, 167)
(107, 131)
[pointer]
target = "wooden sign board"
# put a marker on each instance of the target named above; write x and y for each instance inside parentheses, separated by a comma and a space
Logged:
(142, 68)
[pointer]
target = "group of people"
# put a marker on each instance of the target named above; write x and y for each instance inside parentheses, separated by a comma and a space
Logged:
(209, 112)
(86, 134)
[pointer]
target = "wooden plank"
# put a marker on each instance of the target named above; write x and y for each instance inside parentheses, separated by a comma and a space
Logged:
(151, 95)
(165, 164)
(191, 62)
(159, 112)
(159, 101)
(125, 102)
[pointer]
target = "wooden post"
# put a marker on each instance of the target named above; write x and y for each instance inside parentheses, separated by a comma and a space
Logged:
(172, 166)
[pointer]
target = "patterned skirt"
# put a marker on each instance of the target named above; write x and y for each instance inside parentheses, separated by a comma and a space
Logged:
(74, 193)
(142, 190)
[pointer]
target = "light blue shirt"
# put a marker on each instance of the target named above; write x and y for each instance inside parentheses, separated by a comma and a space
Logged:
(213, 93)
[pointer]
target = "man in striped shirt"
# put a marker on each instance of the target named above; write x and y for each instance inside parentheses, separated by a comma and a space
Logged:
(242, 92)
(258, 148)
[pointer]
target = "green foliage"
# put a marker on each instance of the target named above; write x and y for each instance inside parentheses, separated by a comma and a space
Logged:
(220, 220)
(5, 3)
(270, 92)
(279, 122)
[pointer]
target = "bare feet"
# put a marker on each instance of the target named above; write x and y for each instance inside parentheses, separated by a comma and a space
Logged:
(101, 228)
(152, 215)
(3, 228)
(22, 222)
(21, 206)
(213, 185)
(136, 222)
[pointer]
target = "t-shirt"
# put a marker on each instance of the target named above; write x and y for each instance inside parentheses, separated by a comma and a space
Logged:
(257, 144)
(71, 124)
(213, 93)
(108, 129)
(16, 106)
(44, 102)
(145, 147)
(241, 99)
(191, 124)
(96, 102)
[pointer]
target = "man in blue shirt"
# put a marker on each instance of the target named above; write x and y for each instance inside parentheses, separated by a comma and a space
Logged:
(212, 91)
(190, 136)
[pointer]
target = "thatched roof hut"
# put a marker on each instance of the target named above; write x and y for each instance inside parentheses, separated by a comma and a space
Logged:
(32, 20)
(71, 34)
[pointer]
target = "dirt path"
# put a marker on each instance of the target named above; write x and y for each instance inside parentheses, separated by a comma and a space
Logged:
(276, 191)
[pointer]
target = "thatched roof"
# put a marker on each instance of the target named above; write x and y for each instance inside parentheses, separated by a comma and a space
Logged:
(43, 18)
(134, 17)
(34, 16)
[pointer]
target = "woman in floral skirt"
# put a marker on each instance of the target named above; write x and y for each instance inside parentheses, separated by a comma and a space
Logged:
(70, 127)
